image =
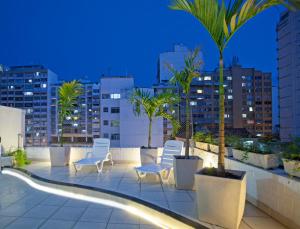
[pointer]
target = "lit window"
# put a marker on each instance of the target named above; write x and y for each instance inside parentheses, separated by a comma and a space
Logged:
(30, 81)
(83, 131)
(75, 124)
(229, 90)
(250, 122)
(28, 93)
(250, 108)
(243, 84)
(229, 97)
(90, 110)
(75, 111)
(258, 135)
(243, 77)
(193, 103)
(244, 115)
(199, 91)
(68, 117)
(207, 77)
(115, 96)
(200, 79)
(43, 85)
(37, 73)
(226, 116)
(229, 78)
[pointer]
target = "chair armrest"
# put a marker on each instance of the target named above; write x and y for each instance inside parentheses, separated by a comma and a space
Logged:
(88, 154)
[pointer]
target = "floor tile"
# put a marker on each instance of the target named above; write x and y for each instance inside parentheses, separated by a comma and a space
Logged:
(147, 226)
(119, 216)
(41, 211)
(262, 223)
(5, 220)
(15, 210)
(178, 197)
(243, 225)
(89, 225)
(252, 211)
(68, 213)
(152, 196)
(58, 224)
(185, 208)
(122, 226)
(22, 223)
(76, 203)
(54, 201)
(96, 215)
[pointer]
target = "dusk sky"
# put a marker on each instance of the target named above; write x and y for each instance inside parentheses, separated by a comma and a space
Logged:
(76, 38)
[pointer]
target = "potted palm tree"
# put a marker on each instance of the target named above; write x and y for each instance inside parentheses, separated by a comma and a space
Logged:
(186, 166)
(153, 107)
(222, 20)
(68, 96)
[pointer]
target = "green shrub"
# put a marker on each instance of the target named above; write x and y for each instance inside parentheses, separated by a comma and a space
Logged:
(203, 137)
(232, 140)
(292, 150)
(20, 157)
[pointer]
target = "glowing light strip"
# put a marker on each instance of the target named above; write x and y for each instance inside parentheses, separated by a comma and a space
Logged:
(133, 210)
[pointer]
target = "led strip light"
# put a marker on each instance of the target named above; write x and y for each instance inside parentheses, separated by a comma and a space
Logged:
(133, 210)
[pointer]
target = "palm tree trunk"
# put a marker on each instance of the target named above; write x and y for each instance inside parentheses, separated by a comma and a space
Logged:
(150, 133)
(61, 133)
(187, 124)
(221, 164)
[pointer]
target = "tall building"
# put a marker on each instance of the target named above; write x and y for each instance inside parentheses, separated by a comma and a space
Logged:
(248, 100)
(28, 88)
(84, 125)
(118, 121)
(288, 56)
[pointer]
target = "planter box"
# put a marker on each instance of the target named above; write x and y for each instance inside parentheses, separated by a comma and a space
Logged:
(221, 201)
(291, 167)
(266, 161)
(7, 161)
(60, 156)
(215, 149)
(148, 155)
(184, 171)
(202, 145)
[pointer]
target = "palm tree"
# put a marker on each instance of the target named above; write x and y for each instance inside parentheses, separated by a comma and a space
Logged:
(184, 79)
(68, 96)
(222, 21)
(155, 106)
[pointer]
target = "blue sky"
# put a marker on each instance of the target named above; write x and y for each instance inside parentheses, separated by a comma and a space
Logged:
(88, 38)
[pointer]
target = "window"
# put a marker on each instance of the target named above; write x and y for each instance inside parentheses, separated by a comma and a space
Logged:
(105, 96)
(105, 135)
(115, 110)
(115, 137)
(244, 115)
(229, 77)
(43, 85)
(193, 103)
(115, 123)
(199, 91)
(28, 93)
(115, 96)
(229, 97)
(105, 122)
(250, 108)
(105, 109)
(207, 77)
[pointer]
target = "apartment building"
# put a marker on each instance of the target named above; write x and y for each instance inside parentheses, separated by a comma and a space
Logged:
(248, 97)
(28, 88)
(84, 125)
(118, 121)
(288, 59)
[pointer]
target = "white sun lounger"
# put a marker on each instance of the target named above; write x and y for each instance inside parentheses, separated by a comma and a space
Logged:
(171, 149)
(97, 157)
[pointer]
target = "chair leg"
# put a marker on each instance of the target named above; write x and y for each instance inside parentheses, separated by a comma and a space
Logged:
(161, 180)
(75, 168)
(99, 168)
(139, 179)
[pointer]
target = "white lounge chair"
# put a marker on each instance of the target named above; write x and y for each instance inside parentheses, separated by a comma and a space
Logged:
(99, 155)
(171, 149)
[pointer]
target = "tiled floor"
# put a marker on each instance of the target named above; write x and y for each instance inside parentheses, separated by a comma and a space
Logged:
(25, 208)
(121, 178)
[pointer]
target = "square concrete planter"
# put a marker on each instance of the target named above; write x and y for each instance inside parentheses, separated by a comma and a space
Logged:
(266, 161)
(60, 156)
(202, 145)
(148, 155)
(184, 171)
(7, 161)
(221, 200)
(291, 167)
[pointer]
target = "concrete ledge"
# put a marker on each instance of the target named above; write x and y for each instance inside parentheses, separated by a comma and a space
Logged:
(277, 195)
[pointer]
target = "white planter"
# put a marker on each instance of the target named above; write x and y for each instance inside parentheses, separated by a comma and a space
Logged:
(214, 148)
(60, 156)
(228, 151)
(202, 145)
(221, 201)
(266, 161)
(184, 171)
(7, 161)
(291, 167)
(148, 155)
